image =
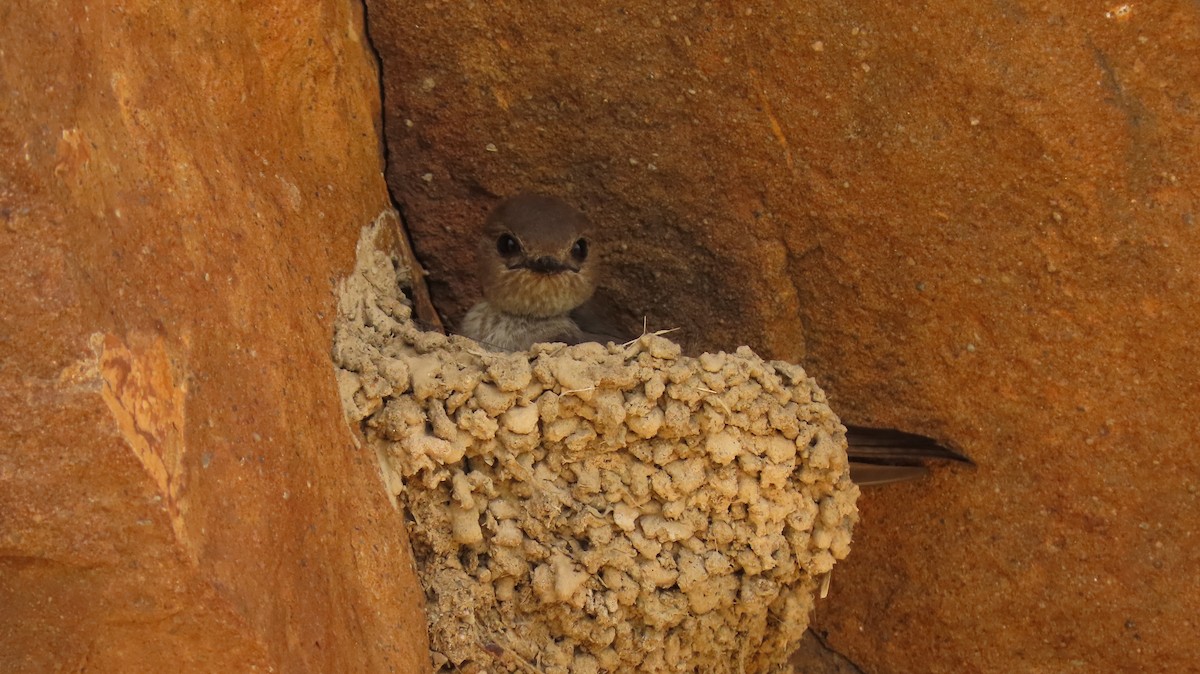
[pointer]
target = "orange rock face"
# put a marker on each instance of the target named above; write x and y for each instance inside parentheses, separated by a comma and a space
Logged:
(977, 221)
(179, 191)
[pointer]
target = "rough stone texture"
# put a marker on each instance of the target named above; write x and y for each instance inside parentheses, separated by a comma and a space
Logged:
(976, 220)
(619, 508)
(179, 189)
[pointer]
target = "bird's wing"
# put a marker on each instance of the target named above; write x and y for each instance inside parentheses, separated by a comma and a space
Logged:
(596, 319)
(870, 474)
(883, 455)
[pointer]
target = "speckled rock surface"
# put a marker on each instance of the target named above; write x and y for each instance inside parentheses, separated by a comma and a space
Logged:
(971, 220)
(583, 509)
(179, 188)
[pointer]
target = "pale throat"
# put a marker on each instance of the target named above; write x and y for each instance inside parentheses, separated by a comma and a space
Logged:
(527, 293)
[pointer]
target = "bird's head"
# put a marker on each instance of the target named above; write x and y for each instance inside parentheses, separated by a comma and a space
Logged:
(535, 257)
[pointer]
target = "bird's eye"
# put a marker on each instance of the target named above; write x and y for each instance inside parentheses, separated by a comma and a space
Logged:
(507, 245)
(580, 250)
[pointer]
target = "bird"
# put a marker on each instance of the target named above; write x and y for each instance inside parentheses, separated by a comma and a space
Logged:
(537, 269)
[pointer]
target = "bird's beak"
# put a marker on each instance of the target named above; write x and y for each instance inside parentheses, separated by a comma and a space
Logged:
(546, 264)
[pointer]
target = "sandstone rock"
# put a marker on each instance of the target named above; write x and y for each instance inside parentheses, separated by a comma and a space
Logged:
(179, 187)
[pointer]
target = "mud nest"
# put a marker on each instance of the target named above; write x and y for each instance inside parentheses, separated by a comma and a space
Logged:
(591, 508)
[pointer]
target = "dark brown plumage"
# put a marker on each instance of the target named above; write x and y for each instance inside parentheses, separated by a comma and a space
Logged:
(882, 455)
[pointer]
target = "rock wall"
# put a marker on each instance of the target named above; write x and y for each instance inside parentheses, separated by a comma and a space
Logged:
(180, 188)
(971, 220)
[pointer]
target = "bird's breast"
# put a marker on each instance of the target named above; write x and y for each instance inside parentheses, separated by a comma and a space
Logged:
(500, 330)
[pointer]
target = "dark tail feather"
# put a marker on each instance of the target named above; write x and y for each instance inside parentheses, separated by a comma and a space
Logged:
(883, 455)
(869, 474)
